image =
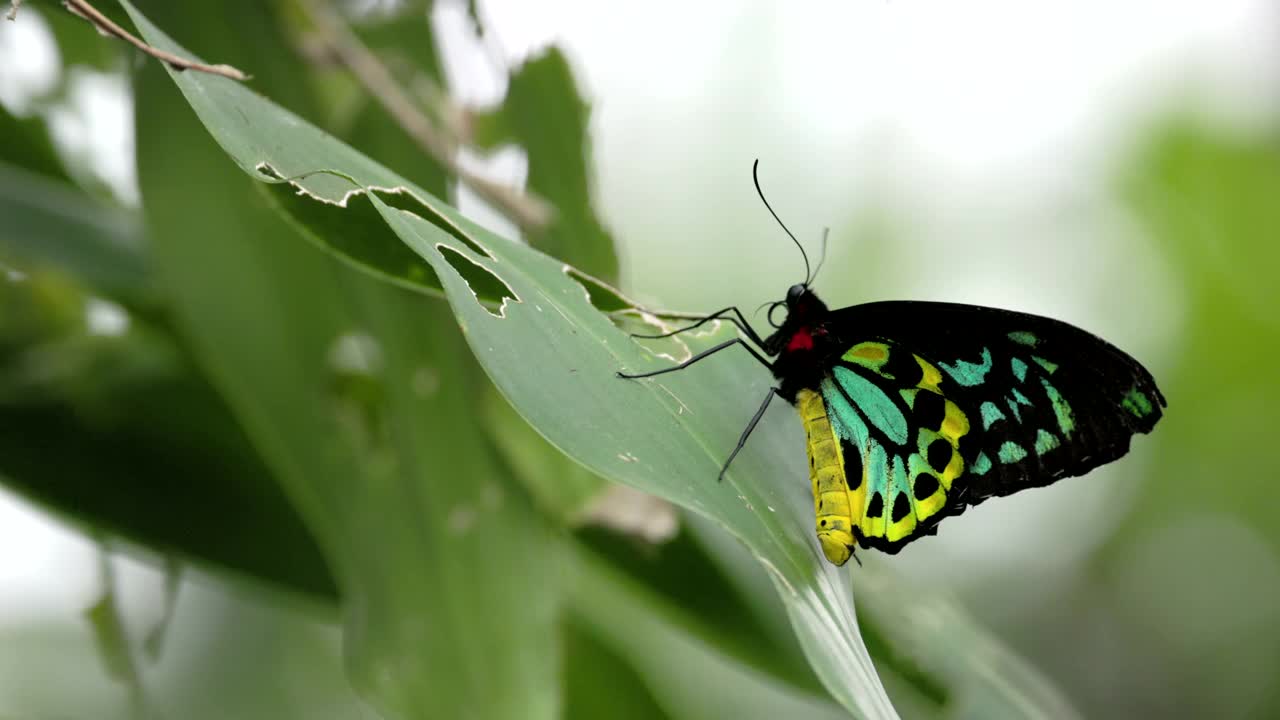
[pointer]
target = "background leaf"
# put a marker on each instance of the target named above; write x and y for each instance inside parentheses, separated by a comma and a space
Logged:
(330, 373)
(544, 113)
(552, 344)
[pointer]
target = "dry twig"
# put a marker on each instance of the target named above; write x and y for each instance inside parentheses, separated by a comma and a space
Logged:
(13, 9)
(105, 26)
(528, 211)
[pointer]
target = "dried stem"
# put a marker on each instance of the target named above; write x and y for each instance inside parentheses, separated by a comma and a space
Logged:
(528, 211)
(13, 10)
(105, 26)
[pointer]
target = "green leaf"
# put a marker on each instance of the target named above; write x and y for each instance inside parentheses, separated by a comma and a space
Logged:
(686, 576)
(544, 113)
(28, 145)
(119, 433)
(426, 535)
(1204, 195)
(112, 639)
(561, 488)
(591, 666)
(403, 39)
(746, 579)
(50, 224)
(554, 357)
(986, 679)
(1208, 201)
(78, 44)
(688, 676)
(402, 35)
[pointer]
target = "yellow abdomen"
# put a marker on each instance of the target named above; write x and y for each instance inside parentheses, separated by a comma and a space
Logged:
(832, 499)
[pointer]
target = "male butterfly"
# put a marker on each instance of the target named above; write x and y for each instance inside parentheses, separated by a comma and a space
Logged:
(914, 411)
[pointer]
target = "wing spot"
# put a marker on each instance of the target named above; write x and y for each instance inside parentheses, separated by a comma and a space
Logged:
(1011, 452)
(924, 486)
(982, 465)
(939, 455)
(901, 506)
(930, 377)
(873, 352)
(990, 414)
(904, 368)
(1023, 337)
(1019, 369)
(876, 508)
(1048, 366)
(852, 465)
(1045, 441)
(956, 423)
(1013, 408)
(1137, 403)
(930, 409)
(968, 373)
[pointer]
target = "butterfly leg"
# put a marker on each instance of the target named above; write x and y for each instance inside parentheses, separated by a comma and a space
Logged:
(710, 351)
(773, 391)
(740, 321)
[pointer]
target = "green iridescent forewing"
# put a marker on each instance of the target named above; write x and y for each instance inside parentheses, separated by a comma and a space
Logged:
(947, 405)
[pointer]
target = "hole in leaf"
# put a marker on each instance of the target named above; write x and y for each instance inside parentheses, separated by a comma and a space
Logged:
(629, 317)
(621, 311)
(481, 280)
(356, 234)
(604, 298)
(341, 218)
(265, 170)
(400, 199)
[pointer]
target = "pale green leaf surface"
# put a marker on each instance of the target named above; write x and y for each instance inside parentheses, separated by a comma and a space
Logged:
(329, 373)
(118, 432)
(554, 356)
(688, 677)
(50, 224)
(561, 488)
(987, 680)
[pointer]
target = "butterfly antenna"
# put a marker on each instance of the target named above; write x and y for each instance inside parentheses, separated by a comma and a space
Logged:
(822, 258)
(755, 175)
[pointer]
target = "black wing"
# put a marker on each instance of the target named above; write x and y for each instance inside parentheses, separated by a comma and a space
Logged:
(1044, 399)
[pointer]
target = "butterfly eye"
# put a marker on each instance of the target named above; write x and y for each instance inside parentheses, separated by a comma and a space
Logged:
(794, 293)
(772, 307)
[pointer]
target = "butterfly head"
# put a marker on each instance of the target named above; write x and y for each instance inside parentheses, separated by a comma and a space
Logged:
(797, 329)
(800, 329)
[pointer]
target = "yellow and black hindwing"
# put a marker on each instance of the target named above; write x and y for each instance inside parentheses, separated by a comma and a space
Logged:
(899, 438)
(881, 468)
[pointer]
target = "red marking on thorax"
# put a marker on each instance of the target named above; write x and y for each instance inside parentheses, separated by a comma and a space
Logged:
(801, 340)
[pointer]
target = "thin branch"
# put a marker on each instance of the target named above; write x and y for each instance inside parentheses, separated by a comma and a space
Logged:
(13, 10)
(105, 26)
(527, 210)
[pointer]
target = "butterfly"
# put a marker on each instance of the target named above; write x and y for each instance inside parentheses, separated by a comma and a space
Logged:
(914, 411)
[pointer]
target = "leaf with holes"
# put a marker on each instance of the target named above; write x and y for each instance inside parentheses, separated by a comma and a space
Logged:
(538, 328)
(553, 355)
(356, 395)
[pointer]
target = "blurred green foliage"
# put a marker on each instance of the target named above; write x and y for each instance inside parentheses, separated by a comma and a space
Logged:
(251, 364)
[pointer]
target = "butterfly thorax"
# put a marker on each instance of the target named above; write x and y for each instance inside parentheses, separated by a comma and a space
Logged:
(803, 345)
